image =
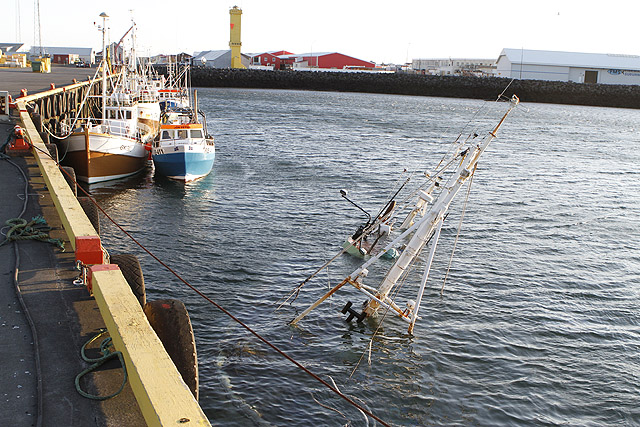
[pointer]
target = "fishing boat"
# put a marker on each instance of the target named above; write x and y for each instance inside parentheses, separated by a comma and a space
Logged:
(148, 114)
(184, 151)
(174, 95)
(107, 147)
(421, 228)
(140, 81)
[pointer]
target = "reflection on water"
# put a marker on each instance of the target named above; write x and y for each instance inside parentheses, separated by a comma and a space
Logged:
(539, 320)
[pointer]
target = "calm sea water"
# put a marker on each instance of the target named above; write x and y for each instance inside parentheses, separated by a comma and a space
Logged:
(539, 323)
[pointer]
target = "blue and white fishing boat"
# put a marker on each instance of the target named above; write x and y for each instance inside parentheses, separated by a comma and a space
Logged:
(184, 151)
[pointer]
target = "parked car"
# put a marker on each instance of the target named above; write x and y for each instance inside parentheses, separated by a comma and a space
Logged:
(82, 64)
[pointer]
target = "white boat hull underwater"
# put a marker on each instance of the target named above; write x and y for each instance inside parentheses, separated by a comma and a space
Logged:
(98, 157)
(420, 229)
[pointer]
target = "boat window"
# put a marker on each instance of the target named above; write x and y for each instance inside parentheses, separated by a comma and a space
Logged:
(183, 134)
(196, 133)
(128, 115)
(166, 134)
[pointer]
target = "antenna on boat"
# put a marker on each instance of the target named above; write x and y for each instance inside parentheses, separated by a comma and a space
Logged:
(344, 193)
(104, 17)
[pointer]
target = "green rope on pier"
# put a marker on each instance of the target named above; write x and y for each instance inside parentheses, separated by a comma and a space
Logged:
(107, 354)
(36, 229)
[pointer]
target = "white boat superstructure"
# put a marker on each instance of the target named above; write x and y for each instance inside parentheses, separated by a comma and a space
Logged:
(175, 94)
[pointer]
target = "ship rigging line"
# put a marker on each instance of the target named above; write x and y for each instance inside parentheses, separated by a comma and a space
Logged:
(222, 309)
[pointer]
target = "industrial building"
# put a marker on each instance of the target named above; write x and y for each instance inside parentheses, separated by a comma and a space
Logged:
(454, 66)
(217, 59)
(268, 59)
(65, 55)
(10, 57)
(325, 60)
(569, 66)
(9, 48)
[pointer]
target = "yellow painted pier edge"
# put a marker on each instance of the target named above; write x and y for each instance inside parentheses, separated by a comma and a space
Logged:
(163, 397)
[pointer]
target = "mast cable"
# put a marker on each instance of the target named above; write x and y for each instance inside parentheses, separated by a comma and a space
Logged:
(455, 242)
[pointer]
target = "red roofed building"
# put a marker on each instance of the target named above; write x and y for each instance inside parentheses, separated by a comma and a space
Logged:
(269, 59)
(326, 60)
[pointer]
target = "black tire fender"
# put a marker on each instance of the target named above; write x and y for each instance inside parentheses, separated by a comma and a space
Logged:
(70, 176)
(53, 151)
(91, 211)
(132, 272)
(170, 320)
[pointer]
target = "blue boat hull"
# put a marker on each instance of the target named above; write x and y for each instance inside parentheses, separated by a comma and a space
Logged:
(184, 166)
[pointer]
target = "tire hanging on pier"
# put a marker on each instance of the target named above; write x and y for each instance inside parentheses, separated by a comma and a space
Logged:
(70, 176)
(55, 108)
(37, 121)
(170, 320)
(132, 272)
(92, 213)
(48, 107)
(53, 151)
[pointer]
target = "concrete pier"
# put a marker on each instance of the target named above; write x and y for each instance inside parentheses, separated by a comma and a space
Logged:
(14, 80)
(64, 317)
(45, 318)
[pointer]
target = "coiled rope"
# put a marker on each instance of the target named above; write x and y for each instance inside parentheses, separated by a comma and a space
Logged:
(107, 354)
(36, 229)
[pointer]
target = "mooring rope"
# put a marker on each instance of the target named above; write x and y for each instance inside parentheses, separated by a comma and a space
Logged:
(222, 309)
(36, 229)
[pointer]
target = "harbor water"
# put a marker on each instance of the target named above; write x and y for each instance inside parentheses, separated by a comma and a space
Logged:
(539, 321)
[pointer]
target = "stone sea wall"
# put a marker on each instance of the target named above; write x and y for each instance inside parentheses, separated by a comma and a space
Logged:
(421, 85)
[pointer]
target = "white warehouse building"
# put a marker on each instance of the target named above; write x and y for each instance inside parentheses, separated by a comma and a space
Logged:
(569, 66)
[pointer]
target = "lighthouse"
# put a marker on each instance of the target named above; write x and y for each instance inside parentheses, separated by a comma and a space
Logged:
(235, 42)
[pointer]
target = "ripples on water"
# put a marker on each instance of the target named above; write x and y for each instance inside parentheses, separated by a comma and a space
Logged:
(539, 322)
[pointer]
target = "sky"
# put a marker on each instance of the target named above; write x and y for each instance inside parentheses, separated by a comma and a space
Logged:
(372, 30)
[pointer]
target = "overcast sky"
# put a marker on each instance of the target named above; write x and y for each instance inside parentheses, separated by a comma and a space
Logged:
(379, 31)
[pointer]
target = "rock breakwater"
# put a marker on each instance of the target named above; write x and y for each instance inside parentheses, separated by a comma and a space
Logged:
(421, 85)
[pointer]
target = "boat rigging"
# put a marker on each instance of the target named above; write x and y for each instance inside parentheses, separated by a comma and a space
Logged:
(421, 228)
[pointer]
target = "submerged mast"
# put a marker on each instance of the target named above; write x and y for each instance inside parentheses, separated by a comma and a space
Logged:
(426, 229)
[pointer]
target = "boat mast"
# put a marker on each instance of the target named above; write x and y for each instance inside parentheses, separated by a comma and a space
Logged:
(104, 17)
(426, 229)
(430, 225)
